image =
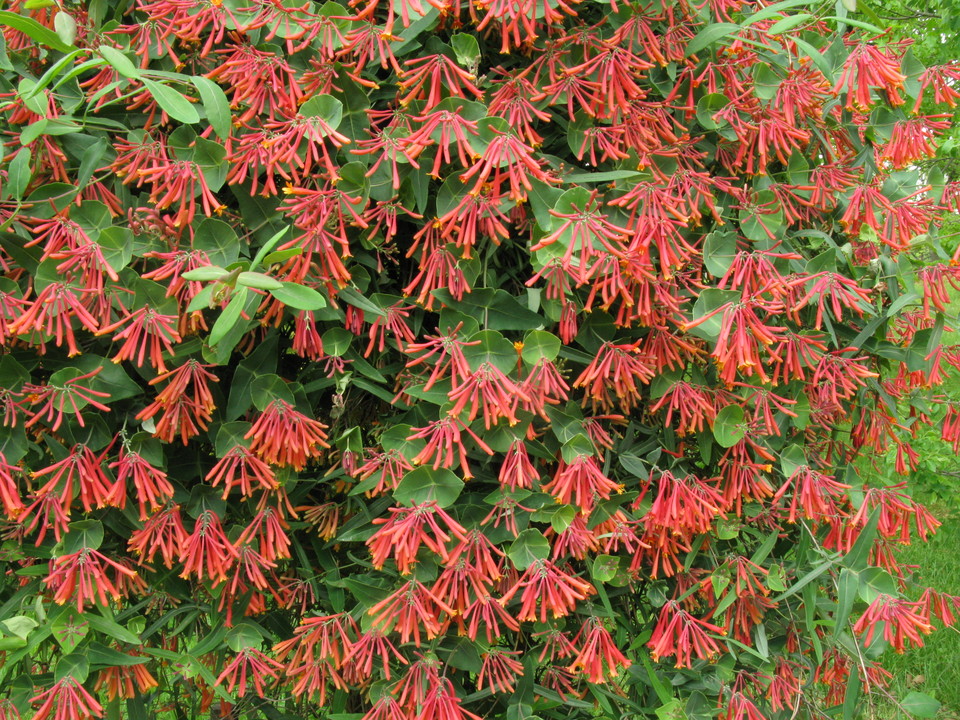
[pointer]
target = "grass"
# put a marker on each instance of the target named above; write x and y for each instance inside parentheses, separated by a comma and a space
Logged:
(935, 668)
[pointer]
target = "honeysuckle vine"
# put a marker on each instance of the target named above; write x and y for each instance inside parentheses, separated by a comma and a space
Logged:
(416, 359)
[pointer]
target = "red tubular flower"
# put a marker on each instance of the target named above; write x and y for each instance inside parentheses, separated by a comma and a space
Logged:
(598, 658)
(370, 645)
(402, 535)
(866, 68)
(286, 437)
(442, 702)
(543, 386)
(442, 73)
(554, 589)
(262, 81)
(237, 469)
(269, 528)
(249, 665)
(500, 670)
(694, 403)
(179, 182)
(151, 483)
(443, 437)
(679, 633)
(185, 413)
(83, 467)
(386, 708)
(125, 681)
(206, 552)
(66, 699)
(488, 612)
(903, 622)
(9, 492)
(147, 329)
(685, 505)
(581, 483)
(507, 152)
(325, 637)
(53, 312)
(56, 398)
(408, 609)
(489, 390)
(517, 471)
(618, 368)
(81, 576)
(813, 491)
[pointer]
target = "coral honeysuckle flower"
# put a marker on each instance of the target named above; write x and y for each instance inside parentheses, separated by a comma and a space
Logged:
(598, 658)
(150, 483)
(903, 622)
(147, 329)
(66, 699)
(407, 529)
(500, 669)
(284, 436)
(125, 681)
(249, 666)
(241, 468)
(81, 577)
(679, 633)
(581, 483)
(55, 399)
(556, 592)
(206, 552)
(408, 610)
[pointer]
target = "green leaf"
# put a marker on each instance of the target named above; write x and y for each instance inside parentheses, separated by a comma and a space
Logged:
(336, 341)
(602, 177)
(719, 251)
(219, 241)
(604, 568)
(119, 62)
(259, 281)
(847, 586)
(529, 547)
(65, 27)
(540, 344)
(229, 317)
(280, 256)
(711, 34)
(82, 534)
(789, 23)
(111, 628)
(243, 635)
(299, 297)
(172, 102)
(491, 347)
(101, 656)
(74, 665)
(424, 484)
(729, 427)
(18, 174)
(216, 106)
(266, 388)
(205, 274)
(494, 309)
(19, 626)
(69, 629)
(920, 705)
(466, 48)
(353, 297)
(325, 107)
(34, 30)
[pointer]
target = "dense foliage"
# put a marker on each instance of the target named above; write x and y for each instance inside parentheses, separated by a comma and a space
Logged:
(425, 359)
